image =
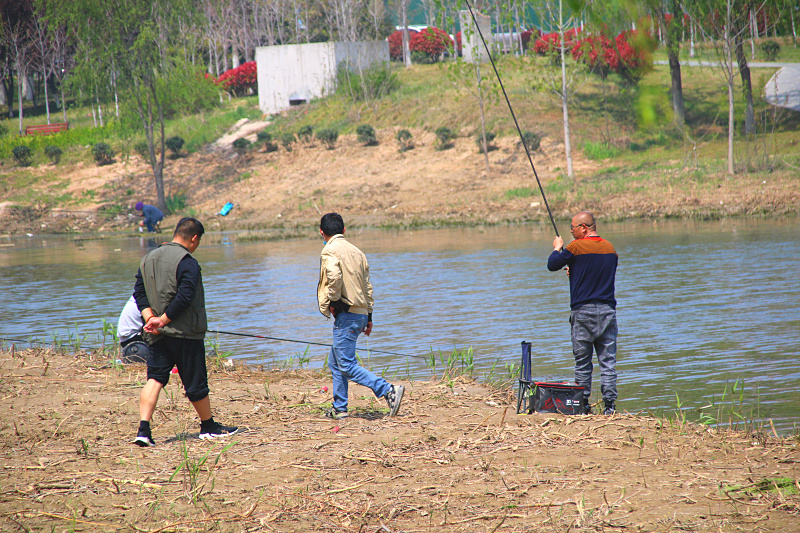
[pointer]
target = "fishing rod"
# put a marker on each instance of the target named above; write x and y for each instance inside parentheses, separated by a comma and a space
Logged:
(513, 115)
(303, 342)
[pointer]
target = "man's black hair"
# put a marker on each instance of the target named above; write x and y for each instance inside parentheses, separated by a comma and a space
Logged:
(331, 224)
(188, 227)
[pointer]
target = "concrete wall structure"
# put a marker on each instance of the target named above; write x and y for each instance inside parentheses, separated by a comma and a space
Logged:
(472, 49)
(296, 73)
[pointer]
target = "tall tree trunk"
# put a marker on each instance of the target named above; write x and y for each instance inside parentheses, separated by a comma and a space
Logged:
(747, 87)
(19, 103)
(673, 49)
(116, 95)
(564, 96)
(753, 35)
(10, 95)
(46, 96)
(404, 22)
(483, 119)
(729, 74)
(63, 101)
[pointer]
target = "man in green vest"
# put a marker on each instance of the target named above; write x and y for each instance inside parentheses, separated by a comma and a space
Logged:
(169, 294)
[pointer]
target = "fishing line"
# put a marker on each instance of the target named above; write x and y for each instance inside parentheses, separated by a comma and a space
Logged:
(513, 115)
(304, 342)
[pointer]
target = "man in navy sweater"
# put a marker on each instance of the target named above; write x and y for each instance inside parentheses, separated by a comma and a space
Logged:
(591, 264)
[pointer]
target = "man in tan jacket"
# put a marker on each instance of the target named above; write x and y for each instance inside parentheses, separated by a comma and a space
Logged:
(345, 292)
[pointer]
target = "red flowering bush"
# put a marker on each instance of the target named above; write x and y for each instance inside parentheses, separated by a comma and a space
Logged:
(597, 52)
(396, 44)
(527, 35)
(550, 43)
(633, 49)
(240, 79)
(627, 54)
(458, 42)
(429, 44)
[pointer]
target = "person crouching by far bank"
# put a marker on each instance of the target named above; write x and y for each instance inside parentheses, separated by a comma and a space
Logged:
(169, 294)
(152, 216)
(591, 263)
(345, 292)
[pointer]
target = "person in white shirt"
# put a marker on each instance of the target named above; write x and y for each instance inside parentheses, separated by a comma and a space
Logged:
(129, 329)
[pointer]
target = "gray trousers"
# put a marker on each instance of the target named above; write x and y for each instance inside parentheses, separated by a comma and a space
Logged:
(594, 326)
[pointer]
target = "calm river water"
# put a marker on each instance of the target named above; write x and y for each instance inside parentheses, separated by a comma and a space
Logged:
(700, 304)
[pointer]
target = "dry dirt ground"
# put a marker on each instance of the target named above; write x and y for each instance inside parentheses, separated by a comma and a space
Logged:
(456, 458)
(379, 185)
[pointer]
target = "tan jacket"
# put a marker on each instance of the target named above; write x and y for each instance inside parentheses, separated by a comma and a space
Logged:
(344, 275)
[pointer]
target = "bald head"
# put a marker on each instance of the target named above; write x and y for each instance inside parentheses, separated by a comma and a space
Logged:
(584, 217)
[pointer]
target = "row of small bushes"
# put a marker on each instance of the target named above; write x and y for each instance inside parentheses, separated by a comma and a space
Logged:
(365, 134)
(102, 152)
(174, 144)
(23, 154)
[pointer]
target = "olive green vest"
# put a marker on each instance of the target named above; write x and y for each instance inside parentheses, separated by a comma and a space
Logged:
(158, 270)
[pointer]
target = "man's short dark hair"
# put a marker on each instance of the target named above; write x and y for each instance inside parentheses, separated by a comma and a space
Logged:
(188, 227)
(331, 224)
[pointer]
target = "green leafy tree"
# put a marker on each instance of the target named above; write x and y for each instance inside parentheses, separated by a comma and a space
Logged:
(142, 42)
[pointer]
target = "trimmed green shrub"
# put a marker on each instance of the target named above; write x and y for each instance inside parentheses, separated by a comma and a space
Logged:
(490, 136)
(174, 144)
(328, 137)
(531, 140)
(404, 140)
(143, 150)
(771, 50)
(22, 155)
(287, 140)
(241, 145)
(103, 153)
(53, 152)
(366, 135)
(306, 135)
(266, 138)
(444, 137)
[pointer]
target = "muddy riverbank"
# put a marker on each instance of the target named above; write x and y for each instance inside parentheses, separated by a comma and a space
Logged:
(457, 458)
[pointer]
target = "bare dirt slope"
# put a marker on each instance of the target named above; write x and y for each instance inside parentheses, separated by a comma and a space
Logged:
(379, 185)
(457, 458)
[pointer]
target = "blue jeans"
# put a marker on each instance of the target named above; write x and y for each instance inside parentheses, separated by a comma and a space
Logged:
(342, 360)
(594, 326)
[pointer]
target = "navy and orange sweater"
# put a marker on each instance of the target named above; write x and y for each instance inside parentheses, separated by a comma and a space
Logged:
(592, 268)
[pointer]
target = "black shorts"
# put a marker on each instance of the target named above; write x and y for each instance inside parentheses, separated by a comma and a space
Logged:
(189, 355)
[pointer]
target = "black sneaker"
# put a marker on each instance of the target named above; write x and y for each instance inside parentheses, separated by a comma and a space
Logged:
(394, 397)
(336, 415)
(144, 439)
(610, 408)
(586, 407)
(217, 430)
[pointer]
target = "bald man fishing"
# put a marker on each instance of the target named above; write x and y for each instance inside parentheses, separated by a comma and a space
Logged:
(591, 264)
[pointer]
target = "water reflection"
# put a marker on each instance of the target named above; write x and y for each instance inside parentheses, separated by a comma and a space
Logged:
(699, 307)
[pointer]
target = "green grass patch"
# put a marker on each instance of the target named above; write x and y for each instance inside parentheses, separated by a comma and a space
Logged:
(785, 486)
(521, 192)
(596, 151)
